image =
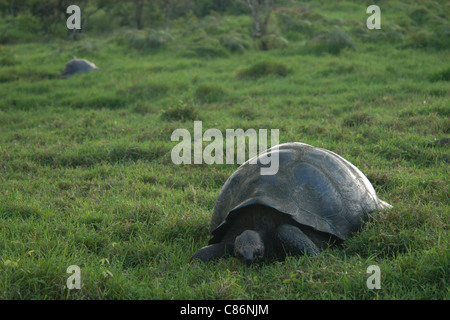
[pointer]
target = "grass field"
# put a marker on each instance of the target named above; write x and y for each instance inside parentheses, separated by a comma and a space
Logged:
(86, 176)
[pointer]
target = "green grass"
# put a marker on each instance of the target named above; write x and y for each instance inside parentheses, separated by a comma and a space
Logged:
(86, 176)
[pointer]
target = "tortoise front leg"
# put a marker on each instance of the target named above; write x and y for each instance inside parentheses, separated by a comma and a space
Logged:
(294, 241)
(213, 252)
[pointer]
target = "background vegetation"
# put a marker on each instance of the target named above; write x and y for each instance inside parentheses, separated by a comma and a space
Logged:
(86, 176)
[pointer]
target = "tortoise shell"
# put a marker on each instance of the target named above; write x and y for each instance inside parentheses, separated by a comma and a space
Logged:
(77, 66)
(314, 186)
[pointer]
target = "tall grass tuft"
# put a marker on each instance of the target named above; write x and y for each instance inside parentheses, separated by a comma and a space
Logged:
(263, 69)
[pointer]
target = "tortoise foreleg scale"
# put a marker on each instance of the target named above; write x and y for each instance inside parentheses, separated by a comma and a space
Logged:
(213, 252)
(294, 241)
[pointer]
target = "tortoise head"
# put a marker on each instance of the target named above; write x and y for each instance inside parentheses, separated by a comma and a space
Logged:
(249, 246)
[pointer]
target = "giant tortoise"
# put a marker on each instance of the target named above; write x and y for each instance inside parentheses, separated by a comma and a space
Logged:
(316, 198)
(78, 66)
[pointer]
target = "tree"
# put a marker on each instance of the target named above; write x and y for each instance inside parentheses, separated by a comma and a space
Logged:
(11, 19)
(168, 12)
(260, 10)
(138, 9)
